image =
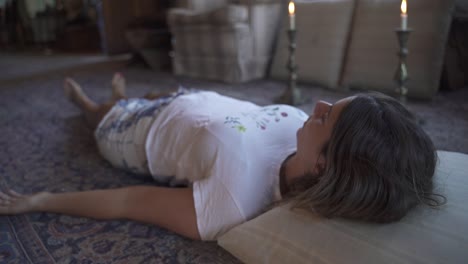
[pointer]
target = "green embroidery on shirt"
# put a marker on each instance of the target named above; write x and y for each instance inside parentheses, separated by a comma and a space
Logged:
(241, 128)
(234, 122)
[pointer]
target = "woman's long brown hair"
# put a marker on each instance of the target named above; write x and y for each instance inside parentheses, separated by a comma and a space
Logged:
(380, 164)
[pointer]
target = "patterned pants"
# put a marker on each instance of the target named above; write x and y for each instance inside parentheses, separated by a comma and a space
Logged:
(121, 135)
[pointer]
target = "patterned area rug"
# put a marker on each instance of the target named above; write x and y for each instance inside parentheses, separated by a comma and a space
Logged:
(45, 145)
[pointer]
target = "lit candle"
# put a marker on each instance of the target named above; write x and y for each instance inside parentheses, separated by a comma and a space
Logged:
(292, 16)
(404, 15)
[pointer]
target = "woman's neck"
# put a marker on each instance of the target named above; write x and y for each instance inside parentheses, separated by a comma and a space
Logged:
(291, 169)
(294, 169)
(288, 172)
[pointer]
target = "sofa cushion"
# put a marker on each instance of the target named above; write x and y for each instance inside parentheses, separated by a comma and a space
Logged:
(322, 32)
(372, 60)
(423, 236)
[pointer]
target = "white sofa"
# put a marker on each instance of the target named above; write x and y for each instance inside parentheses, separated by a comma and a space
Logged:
(223, 40)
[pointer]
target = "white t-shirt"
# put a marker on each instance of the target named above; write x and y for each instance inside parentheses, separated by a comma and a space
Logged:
(230, 150)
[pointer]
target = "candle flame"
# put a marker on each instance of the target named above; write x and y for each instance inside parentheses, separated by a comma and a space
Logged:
(404, 7)
(291, 8)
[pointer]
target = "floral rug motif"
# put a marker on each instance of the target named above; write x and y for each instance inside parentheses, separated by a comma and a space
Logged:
(45, 145)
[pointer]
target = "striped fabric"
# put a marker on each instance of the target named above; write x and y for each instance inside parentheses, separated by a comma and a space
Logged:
(232, 43)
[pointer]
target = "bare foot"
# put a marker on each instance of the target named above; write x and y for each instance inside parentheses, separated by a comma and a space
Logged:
(75, 94)
(118, 86)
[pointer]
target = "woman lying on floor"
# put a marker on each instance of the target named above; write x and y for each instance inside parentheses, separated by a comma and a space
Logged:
(362, 158)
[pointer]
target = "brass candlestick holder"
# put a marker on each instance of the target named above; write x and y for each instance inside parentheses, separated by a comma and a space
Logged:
(401, 75)
(292, 95)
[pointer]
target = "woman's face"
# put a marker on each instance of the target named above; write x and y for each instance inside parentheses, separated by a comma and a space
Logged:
(317, 130)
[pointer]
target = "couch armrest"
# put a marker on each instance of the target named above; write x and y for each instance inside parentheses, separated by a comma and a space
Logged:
(201, 5)
(227, 15)
(255, 2)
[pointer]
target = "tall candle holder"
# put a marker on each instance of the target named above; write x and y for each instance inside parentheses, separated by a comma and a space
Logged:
(292, 95)
(401, 75)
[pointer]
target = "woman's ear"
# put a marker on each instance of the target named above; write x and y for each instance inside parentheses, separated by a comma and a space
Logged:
(320, 165)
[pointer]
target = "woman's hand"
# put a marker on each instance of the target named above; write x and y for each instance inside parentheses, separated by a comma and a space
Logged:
(12, 203)
(171, 208)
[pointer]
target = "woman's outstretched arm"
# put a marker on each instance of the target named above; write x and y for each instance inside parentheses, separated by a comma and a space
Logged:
(171, 208)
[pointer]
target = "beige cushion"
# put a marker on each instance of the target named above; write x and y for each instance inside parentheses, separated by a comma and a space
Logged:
(423, 236)
(372, 60)
(323, 28)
